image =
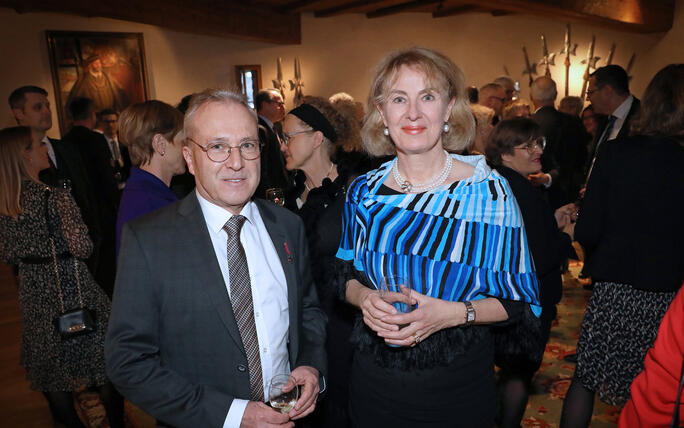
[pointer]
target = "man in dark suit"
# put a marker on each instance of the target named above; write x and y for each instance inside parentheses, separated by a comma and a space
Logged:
(566, 141)
(107, 121)
(609, 93)
(205, 312)
(96, 158)
(30, 107)
(271, 109)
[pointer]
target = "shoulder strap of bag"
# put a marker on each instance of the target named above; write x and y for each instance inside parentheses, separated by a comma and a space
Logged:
(47, 193)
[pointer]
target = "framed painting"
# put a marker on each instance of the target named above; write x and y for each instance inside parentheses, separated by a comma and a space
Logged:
(109, 68)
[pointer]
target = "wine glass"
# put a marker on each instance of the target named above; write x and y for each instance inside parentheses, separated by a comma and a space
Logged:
(276, 196)
(283, 392)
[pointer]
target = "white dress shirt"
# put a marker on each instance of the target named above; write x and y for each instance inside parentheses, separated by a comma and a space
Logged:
(269, 291)
(51, 150)
(621, 114)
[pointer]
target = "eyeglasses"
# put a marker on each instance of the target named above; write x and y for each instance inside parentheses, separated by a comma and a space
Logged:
(285, 138)
(279, 103)
(532, 145)
(219, 152)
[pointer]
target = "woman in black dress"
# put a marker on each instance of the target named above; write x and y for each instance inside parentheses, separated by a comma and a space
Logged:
(631, 220)
(514, 149)
(313, 136)
(52, 280)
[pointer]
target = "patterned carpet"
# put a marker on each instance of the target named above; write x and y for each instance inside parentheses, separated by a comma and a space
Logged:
(550, 383)
(553, 379)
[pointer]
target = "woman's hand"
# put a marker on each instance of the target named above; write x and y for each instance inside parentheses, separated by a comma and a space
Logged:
(430, 316)
(375, 308)
(565, 215)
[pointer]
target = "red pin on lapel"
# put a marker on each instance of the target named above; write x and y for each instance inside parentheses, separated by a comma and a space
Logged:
(287, 250)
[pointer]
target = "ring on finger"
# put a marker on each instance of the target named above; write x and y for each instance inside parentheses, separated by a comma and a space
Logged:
(416, 339)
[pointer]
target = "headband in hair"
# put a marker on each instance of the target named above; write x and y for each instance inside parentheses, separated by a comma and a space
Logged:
(315, 119)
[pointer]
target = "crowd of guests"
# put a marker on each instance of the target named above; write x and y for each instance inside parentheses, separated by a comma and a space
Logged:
(156, 222)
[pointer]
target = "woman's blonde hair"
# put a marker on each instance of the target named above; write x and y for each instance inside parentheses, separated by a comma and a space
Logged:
(441, 73)
(13, 141)
(140, 122)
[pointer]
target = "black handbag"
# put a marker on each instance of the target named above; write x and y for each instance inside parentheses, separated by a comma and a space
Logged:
(74, 322)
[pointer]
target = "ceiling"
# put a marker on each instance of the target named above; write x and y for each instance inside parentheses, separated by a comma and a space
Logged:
(279, 21)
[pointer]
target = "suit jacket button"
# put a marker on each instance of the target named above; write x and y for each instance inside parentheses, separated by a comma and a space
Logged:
(241, 368)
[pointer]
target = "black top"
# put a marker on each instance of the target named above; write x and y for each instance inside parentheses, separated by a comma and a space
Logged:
(631, 218)
(565, 155)
(548, 245)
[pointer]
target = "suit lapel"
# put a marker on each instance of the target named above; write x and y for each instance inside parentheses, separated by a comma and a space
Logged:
(201, 252)
(286, 254)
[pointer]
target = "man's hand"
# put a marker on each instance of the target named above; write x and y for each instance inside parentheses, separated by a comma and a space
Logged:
(259, 415)
(307, 377)
(539, 178)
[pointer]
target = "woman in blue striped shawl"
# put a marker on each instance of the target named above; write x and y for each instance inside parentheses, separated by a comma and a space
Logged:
(451, 225)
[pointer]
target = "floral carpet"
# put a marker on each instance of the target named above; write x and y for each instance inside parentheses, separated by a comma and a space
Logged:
(553, 378)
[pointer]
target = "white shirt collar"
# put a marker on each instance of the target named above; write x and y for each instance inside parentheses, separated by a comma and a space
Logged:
(216, 217)
(623, 109)
(268, 122)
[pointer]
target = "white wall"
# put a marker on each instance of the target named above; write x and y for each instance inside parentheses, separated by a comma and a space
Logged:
(337, 54)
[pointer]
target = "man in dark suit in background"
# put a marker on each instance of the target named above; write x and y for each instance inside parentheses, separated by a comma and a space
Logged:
(214, 295)
(566, 141)
(96, 158)
(31, 108)
(608, 92)
(107, 121)
(271, 109)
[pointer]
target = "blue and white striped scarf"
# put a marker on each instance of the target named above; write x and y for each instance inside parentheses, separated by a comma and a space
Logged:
(464, 241)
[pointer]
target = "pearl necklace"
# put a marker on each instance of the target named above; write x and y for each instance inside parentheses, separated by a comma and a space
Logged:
(406, 185)
(332, 165)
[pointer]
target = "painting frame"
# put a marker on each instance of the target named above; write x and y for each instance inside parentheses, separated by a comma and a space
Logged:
(120, 78)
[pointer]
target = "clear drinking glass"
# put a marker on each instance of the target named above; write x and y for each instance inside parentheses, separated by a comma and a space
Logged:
(401, 285)
(283, 393)
(276, 196)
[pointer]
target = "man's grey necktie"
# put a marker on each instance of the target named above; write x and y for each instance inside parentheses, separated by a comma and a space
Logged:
(243, 307)
(603, 139)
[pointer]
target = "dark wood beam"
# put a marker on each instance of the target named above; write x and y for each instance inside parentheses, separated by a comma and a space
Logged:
(295, 6)
(399, 8)
(345, 8)
(458, 10)
(208, 17)
(641, 16)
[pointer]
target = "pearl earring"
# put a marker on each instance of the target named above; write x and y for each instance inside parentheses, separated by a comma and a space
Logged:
(446, 127)
(163, 153)
(386, 131)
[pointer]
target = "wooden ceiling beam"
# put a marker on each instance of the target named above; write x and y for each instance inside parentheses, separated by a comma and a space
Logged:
(296, 6)
(626, 15)
(399, 8)
(344, 8)
(207, 17)
(458, 10)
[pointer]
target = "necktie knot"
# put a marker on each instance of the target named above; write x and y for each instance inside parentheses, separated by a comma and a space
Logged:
(234, 225)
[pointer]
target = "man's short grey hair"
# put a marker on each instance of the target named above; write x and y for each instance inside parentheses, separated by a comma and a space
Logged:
(215, 96)
(491, 87)
(505, 81)
(572, 103)
(543, 90)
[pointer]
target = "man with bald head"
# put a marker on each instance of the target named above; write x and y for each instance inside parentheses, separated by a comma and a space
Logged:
(564, 157)
(214, 296)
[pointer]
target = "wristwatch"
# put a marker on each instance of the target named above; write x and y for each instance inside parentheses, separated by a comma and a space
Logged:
(470, 313)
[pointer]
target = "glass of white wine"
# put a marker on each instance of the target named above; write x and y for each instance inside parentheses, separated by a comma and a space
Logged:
(283, 393)
(276, 195)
